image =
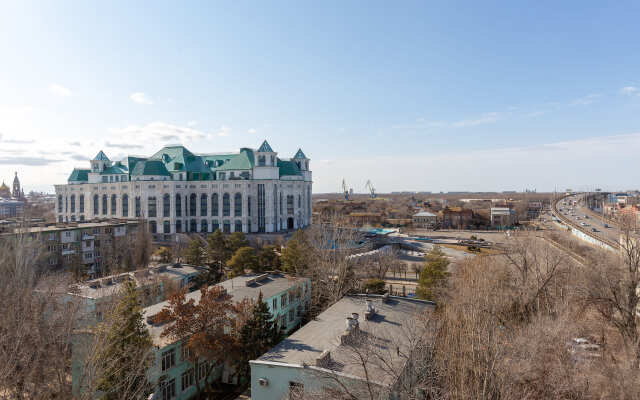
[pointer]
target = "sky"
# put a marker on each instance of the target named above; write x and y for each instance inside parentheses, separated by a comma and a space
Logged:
(421, 96)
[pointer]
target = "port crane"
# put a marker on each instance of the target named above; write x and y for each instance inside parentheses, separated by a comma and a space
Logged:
(371, 189)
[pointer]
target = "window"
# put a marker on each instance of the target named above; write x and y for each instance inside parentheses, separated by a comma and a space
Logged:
(289, 204)
(193, 226)
(185, 352)
(153, 227)
(261, 205)
(188, 379)
(226, 205)
(202, 371)
(204, 225)
(280, 203)
(166, 227)
(178, 205)
(73, 203)
(291, 315)
(261, 161)
(273, 160)
(137, 206)
(178, 226)
(226, 226)
(237, 205)
(113, 204)
(60, 203)
(203, 205)
(81, 203)
(215, 225)
(166, 206)
(283, 321)
(238, 226)
(214, 204)
(168, 359)
(193, 199)
(274, 304)
(299, 202)
(248, 206)
(104, 204)
(283, 300)
(151, 206)
(221, 176)
(125, 205)
(290, 297)
(168, 389)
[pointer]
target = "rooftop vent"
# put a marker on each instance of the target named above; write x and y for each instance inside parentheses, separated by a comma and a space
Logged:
(385, 298)
(324, 359)
(370, 311)
(261, 277)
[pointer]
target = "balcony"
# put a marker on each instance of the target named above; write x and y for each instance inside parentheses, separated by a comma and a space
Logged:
(68, 251)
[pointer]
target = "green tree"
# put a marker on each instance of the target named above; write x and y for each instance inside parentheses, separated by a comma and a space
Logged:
(244, 258)
(295, 256)
(268, 259)
(235, 241)
(259, 334)
(218, 249)
(210, 275)
(194, 253)
(375, 286)
(165, 254)
(127, 351)
(433, 274)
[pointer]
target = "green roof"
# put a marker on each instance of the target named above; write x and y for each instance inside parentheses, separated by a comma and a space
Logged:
(132, 161)
(79, 175)
(150, 167)
(288, 168)
(101, 156)
(265, 148)
(115, 169)
(300, 154)
(243, 161)
(178, 158)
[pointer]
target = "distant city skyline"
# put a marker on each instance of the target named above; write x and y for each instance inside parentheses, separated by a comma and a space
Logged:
(420, 97)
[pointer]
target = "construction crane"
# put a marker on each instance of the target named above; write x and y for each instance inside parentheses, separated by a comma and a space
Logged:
(345, 189)
(371, 189)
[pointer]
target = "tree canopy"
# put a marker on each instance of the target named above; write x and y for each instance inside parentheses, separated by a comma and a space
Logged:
(433, 274)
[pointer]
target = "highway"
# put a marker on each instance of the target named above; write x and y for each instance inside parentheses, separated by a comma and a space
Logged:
(578, 216)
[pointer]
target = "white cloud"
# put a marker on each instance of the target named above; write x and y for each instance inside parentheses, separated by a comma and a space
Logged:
(223, 131)
(252, 131)
(140, 98)
(586, 100)
(487, 118)
(192, 123)
(629, 90)
(156, 133)
(59, 90)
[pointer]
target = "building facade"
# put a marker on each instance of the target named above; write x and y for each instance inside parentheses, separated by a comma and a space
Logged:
(424, 219)
(179, 191)
(83, 243)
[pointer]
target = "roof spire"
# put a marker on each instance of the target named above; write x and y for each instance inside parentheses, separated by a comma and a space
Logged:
(300, 154)
(265, 148)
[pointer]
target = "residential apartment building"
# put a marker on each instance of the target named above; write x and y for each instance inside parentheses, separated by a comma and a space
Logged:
(288, 299)
(84, 244)
(502, 217)
(178, 191)
(317, 356)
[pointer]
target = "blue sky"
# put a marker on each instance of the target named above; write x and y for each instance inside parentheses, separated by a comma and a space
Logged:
(412, 95)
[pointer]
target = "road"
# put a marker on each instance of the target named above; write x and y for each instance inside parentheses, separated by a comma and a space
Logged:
(583, 219)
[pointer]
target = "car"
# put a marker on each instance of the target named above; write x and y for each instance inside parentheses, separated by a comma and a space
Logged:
(606, 226)
(594, 230)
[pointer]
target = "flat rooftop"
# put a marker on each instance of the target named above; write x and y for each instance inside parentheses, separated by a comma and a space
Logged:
(236, 287)
(110, 285)
(79, 225)
(393, 321)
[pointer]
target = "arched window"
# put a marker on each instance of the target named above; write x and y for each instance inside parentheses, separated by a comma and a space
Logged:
(203, 205)
(59, 203)
(178, 226)
(193, 226)
(151, 207)
(289, 204)
(66, 203)
(193, 199)
(261, 161)
(166, 206)
(215, 225)
(138, 211)
(104, 204)
(81, 203)
(248, 206)
(73, 203)
(113, 204)
(178, 206)
(237, 205)
(166, 227)
(214, 204)
(96, 207)
(153, 227)
(125, 205)
(226, 205)
(204, 225)
(238, 226)
(299, 202)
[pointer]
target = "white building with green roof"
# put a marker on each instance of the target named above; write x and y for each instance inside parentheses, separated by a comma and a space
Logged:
(179, 191)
